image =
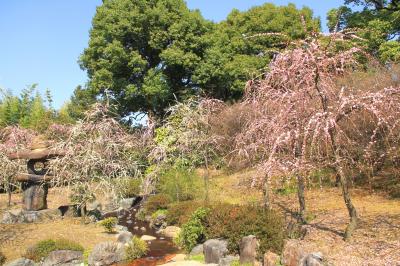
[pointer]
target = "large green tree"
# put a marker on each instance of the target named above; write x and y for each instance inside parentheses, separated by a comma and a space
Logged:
(81, 101)
(243, 44)
(142, 53)
(376, 21)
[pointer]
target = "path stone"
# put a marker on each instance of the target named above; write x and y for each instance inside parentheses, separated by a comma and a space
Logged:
(147, 238)
(63, 258)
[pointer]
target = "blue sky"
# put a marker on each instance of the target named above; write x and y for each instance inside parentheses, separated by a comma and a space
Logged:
(41, 40)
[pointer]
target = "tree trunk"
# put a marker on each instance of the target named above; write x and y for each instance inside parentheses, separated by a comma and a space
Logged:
(83, 213)
(347, 199)
(9, 191)
(300, 194)
(9, 196)
(206, 180)
(267, 194)
(177, 190)
(345, 188)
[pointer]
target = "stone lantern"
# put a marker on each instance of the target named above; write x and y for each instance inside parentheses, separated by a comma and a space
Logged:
(35, 182)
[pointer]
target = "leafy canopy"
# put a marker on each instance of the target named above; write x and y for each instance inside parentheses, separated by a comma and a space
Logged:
(377, 22)
(238, 47)
(144, 55)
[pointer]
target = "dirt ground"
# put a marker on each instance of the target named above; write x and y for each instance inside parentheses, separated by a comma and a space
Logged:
(375, 242)
(15, 239)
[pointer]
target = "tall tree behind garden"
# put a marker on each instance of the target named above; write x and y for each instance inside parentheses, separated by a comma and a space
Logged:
(238, 48)
(377, 21)
(145, 55)
(81, 101)
(142, 53)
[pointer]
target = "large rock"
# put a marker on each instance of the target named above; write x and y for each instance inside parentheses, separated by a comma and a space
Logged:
(159, 222)
(214, 250)
(171, 231)
(17, 216)
(313, 259)
(197, 250)
(124, 237)
(106, 253)
(293, 253)
(21, 262)
(127, 203)
(248, 249)
(63, 258)
(12, 216)
(35, 197)
(271, 259)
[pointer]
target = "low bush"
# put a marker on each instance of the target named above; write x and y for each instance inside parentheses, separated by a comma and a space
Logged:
(156, 202)
(180, 212)
(2, 258)
(323, 177)
(181, 184)
(109, 224)
(233, 222)
(395, 191)
(155, 214)
(136, 249)
(43, 248)
(194, 231)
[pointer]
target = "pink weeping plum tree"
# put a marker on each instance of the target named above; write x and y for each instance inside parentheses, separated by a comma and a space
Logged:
(12, 139)
(303, 120)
